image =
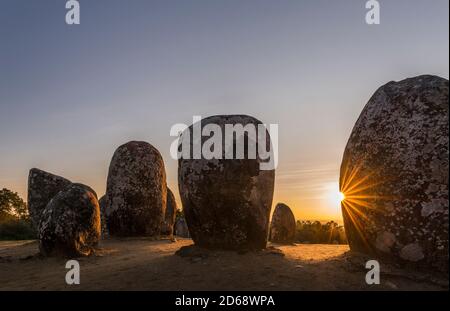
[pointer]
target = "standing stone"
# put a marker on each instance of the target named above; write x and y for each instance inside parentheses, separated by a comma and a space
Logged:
(103, 220)
(181, 228)
(282, 227)
(136, 191)
(70, 223)
(42, 187)
(169, 219)
(226, 201)
(394, 174)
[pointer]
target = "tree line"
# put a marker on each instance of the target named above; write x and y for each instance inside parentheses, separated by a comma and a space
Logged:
(316, 232)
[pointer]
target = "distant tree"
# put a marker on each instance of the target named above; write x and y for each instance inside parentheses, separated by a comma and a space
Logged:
(12, 205)
(15, 222)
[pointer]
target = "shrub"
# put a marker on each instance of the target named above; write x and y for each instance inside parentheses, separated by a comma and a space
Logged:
(17, 229)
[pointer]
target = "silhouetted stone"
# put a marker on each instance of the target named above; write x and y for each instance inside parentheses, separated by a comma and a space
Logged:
(169, 219)
(181, 228)
(70, 223)
(103, 220)
(394, 174)
(42, 187)
(227, 201)
(282, 227)
(136, 191)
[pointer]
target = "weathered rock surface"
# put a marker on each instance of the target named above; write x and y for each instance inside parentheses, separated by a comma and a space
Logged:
(70, 223)
(227, 201)
(136, 191)
(394, 174)
(169, 218)
(42, 187)
(282, 227)
(181, 228)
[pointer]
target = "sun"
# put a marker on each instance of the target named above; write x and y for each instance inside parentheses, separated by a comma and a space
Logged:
(334, 196)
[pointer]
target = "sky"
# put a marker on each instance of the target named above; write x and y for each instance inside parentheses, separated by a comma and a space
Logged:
(71, 94)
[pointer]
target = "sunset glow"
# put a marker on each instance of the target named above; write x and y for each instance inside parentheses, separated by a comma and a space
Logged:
(334, 196)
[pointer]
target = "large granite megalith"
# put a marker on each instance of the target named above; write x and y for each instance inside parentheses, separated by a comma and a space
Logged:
(226, 201)
(394, 174)
(136, 191)
(42, 187)
(169, 218)
(70, 223)
(282, 227)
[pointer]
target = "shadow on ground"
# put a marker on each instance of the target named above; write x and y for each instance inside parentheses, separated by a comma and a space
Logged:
(145, 264)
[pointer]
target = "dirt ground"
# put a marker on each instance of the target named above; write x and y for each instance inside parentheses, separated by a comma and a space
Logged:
(143, 264)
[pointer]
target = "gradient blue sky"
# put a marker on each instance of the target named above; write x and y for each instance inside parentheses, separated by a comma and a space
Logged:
(69, 95)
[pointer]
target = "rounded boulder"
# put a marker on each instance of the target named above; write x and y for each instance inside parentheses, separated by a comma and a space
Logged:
(70, 223)
(394, 174)
(136, 191)
(282, 227)
(226, 196)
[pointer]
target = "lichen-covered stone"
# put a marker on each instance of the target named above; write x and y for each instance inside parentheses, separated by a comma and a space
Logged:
(136, 191)
(169, 218)
(42, 187)
(103, 220)
(394, 174)
(70, 223)
(181, 228)
(226, 201)
(282, 227)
